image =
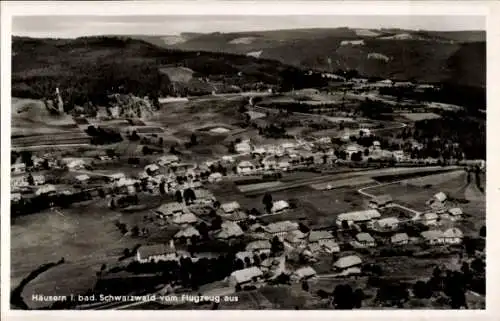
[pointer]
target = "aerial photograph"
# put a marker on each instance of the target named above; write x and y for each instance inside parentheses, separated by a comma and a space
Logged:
(244, 162)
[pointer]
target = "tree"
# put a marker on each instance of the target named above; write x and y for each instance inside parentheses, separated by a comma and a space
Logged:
(267, 200)
(366, 152)
(422, 290)
(276, 245)
(189, 196)
(358, 297)
(343, 297)
(178, 196)
(135, 231)
(239, 264)
(31, 180)
(193, 140)
(247, 261)
(305, 286)
(482, 231)
(162, 188)
(216, 223)
(27, 158)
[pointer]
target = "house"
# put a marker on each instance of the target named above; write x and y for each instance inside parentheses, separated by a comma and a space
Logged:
(229, 230)
(365, 132)
(18, 181)
(46, 190)
(243, 148)
(398, 155)
(350, 264)
(236, 216)
(19, 168)
(399, 239)
(386, 224)
(185, 218)
(319, 237)
(260, 246)
(324, 140)
(82, 179)
(116, 177)
(296, 238)
(329, 246)
(74, 163)
(245, 277)
(430, 219)
(284, 165)
(171, 209)
(453, 236)
(214, 178)
(279, 206)
(242, 255)
(433, 237)
(156, 253)
(380, 201)
(152, 169)
(230, 207)
(280, 229)
(204, 196)
(227, 159)
(304, 273)
(245, 168)
(357, 217)
(167, 160)
(439, 197)
(15, 197)
(365, 240)
(376, 145)
(187, 233)
(455, 213)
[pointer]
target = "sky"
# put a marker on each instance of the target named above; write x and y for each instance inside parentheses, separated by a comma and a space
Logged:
(77, 26)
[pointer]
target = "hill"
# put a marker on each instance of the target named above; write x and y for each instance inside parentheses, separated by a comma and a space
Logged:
(426, 56)
(89, 69)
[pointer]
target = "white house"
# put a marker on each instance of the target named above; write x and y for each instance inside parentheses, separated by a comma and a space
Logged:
(214, 177)
(346, 263)
(430, 219)
(186, 218)
(245, 276)
(230, 207)
(380, 201)
(357, 217)
(280, 229)
(187, 233)
(387, 224)
(455, 213)
(167, 160)
(245, 168)
(279, 206)
(19, 168)
(151, 169)
(329, 246)
(116, 177)
(433, 237)
(244, 147)
(46, 190)
(171, 209)
(453, 236)
(296, 238)
(304, 273)
(365, 132)
(84, 178)
(365, 240)
(399, 239)
(15, 197)
(439, 197)
(229, 230)
(260, 246)
(156, 253)
(320, 237)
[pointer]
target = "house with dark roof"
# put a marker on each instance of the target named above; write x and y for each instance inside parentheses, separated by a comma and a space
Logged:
(380, 201)
(156, 253)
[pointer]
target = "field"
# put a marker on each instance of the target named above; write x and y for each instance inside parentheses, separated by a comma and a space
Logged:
(350, 182)
(85, 235)
(420, 116)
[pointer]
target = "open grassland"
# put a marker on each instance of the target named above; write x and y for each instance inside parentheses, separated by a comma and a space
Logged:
(85, 235)
(420, 116)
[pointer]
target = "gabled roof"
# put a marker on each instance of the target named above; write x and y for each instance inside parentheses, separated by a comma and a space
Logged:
(315, 236)
(364, 237)
(295, 236)
(187, 232)
(382, 199)
(453, 232)
(245, 275)
(347, 261)
(399, 237)
(258, 245)
(229, 229)
(279, 206)
(440, 196)
(430, 216)
(170, 208)
(304, 272)
(388, 221)
(185, 219)
(432, 234)
(283, 226)
(455, 211)
(230, 207)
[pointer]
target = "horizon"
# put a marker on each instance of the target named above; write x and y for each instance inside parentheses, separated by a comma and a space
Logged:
(71, 27)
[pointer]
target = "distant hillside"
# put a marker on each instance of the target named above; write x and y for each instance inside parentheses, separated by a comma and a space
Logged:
(92, 68)
(422, 55)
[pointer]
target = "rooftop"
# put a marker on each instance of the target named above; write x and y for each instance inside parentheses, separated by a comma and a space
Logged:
(399, 237)
(364, 215)
(315, 236)
(283, 226)
(245, 275)
(258, 245)
(187, 232)
(364, 237)
(230, 207)
(347, 261)
(432, 234)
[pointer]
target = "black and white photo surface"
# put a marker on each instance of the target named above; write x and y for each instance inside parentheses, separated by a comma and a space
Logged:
(225, 162)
